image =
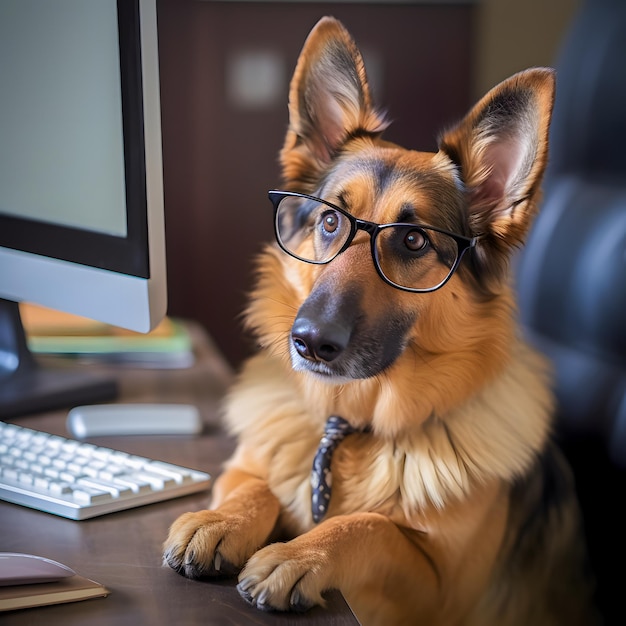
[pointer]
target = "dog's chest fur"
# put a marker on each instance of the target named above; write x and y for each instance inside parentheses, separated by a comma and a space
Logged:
(434, 465)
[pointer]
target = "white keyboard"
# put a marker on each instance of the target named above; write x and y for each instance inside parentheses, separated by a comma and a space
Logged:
(79, 480)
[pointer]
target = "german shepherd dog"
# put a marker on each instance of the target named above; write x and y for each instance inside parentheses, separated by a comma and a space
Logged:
(386, 316)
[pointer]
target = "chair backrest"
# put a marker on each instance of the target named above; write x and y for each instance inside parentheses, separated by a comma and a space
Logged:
(571, 275)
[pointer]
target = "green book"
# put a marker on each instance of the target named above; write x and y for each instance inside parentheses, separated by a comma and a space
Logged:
(169, 345)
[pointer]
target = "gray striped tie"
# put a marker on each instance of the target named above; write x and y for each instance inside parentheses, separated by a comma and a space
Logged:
(321, 479)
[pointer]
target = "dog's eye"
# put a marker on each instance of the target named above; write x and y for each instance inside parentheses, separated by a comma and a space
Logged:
(330, 221)
(415, 240)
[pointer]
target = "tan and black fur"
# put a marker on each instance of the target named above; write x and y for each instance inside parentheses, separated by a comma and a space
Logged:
(453, 506)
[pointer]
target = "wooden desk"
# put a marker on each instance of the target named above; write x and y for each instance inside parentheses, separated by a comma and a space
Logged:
(123, 550)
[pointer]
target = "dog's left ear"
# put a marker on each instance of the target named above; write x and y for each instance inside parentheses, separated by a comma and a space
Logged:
(501, 150)
(329, 101)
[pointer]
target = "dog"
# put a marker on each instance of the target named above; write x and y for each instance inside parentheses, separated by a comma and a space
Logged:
(385, 313)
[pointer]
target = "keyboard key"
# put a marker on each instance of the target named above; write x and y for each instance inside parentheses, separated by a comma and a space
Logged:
(179, 474)
(59, 489)
(87, 495)
(111, 472)
(11, 473)
(155, 481)
(26, 478)
(140, 487)
(116, 491)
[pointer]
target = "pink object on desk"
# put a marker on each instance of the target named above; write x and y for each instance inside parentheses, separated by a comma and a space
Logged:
(22, 569)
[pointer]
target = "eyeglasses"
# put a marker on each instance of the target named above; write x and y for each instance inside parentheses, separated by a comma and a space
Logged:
(407, 256)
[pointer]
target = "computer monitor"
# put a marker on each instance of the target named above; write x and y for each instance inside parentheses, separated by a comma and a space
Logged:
(81, 191)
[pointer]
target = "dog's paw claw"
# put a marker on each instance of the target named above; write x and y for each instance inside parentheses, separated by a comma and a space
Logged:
(246, 591)
(298, 603)
(217, 561)
(188, 566)
(221, 567)
(245, 584)
(261, 601)
(258, 601)
(174, 562)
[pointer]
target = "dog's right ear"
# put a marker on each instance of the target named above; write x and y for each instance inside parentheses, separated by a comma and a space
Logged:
(329, 102)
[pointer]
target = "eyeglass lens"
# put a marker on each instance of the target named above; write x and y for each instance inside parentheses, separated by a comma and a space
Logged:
(407, 255)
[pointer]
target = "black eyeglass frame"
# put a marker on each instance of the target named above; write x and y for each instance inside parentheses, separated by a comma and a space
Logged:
(356, 224)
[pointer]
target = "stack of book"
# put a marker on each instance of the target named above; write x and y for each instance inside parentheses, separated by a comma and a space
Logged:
(51, 332)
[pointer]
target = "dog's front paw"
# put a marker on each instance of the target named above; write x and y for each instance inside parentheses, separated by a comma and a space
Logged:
(204, 544)
(284, 577)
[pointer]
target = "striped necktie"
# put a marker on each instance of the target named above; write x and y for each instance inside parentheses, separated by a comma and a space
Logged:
(321, 479)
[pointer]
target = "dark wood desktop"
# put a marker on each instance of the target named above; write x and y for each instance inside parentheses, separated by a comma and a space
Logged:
(122, 550)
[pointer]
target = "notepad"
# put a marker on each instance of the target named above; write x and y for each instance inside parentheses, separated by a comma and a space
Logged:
(71, 589)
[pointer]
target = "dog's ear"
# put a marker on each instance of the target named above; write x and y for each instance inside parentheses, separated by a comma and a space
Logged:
(501, 150)
(329, 101)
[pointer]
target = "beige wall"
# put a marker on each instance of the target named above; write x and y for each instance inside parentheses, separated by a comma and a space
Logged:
(516, 34)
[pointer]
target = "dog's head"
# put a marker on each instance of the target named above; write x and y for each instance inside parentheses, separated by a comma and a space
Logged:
(462, 210)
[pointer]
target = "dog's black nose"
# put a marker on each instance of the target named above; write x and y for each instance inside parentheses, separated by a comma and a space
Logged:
(319, 342)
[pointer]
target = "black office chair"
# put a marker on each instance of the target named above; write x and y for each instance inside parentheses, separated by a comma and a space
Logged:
(572, 279)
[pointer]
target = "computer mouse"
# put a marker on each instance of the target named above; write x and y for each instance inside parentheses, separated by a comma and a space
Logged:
(133, 419)
(24, 569)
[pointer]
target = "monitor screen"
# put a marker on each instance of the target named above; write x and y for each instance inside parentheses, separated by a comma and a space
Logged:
(81, 191)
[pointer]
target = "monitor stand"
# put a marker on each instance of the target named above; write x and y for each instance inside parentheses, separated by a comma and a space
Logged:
(28, 387)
